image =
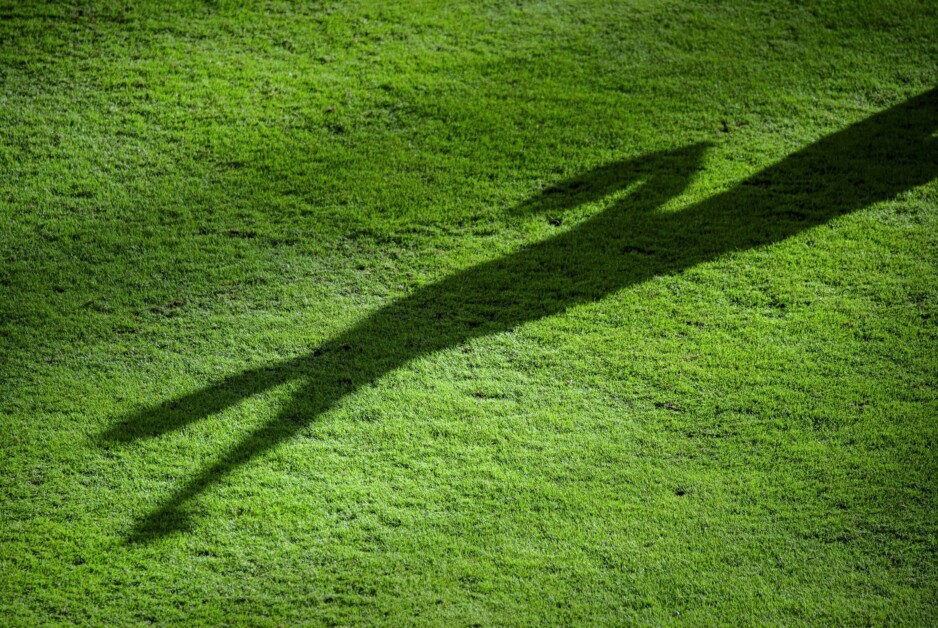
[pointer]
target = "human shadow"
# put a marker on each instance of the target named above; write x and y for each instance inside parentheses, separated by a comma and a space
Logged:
(628, 243)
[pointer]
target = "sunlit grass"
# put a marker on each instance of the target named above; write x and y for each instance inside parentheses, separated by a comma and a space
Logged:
(250, 370)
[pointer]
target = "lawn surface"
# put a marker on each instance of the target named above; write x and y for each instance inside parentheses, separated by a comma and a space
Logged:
(468, 313)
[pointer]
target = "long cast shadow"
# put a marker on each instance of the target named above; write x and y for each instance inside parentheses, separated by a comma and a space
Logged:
(872, 160)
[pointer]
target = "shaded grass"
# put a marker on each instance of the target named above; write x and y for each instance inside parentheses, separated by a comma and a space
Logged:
(708, 416)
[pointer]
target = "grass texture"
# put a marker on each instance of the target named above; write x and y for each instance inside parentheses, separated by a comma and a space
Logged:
(489, 313)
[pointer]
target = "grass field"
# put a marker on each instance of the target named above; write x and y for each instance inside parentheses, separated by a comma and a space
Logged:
(490, 313)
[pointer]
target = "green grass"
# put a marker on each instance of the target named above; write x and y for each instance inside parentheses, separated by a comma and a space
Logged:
(469, 313)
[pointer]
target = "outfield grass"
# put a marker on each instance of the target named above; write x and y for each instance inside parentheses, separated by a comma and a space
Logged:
(469, 313)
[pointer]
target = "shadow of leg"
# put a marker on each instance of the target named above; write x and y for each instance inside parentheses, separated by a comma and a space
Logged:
(172, 516)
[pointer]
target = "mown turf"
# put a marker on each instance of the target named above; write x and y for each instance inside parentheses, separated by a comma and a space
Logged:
(481, 313)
